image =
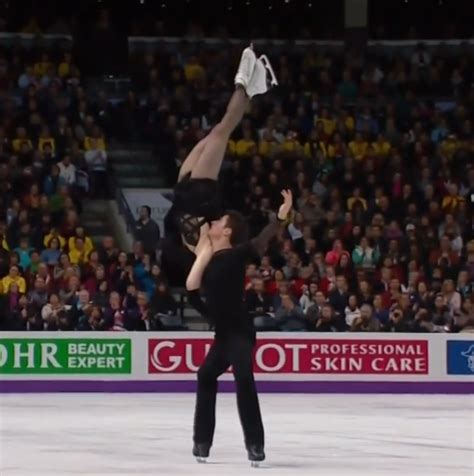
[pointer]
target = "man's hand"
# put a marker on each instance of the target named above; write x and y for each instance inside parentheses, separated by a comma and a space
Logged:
(287, 204)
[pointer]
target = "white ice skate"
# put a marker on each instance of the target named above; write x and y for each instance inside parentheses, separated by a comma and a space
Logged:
(263, 77)
(201, 452)
(246, 67)
(256, 455)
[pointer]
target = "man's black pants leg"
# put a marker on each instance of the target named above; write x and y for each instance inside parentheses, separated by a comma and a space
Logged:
(241, 359)
(235, 351)
(213, 366)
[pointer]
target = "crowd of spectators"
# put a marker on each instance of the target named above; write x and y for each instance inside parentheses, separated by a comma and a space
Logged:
(72, 284)
(381, 238)
(379, 155)
(53, 156)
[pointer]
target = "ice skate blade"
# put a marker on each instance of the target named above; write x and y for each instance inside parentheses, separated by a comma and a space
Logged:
(201, 460)
(268, 66)
(255, 464)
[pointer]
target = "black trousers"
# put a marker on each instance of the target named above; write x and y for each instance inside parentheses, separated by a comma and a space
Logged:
(235, 350)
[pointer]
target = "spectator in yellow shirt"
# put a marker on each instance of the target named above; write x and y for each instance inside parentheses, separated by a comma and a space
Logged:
(94, 143)
(246, 145)
(267, 145)
(14, 277)
(54, 234)
(21, 139)
(3, 237)
(381, 146)
(193, 71)
(80, 233)
(449, 146)
(291, 145)
(337, 148)
(4, 244)
(42, 66)
(65, 67)
(356, 198)
(78, 255)
(359, 147)
(45, 138)
(452, 201)
(329, 124)
(347, 121)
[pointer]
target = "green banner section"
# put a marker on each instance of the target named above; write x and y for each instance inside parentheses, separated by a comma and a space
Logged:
(65, 356)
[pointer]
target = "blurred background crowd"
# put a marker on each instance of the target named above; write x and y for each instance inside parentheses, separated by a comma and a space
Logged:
(377, 145)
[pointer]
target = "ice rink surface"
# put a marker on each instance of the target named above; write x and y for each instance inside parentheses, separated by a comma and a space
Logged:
(317, 435)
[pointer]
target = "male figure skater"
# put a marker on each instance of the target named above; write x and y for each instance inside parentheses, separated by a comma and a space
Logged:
(197, 197)
(221, 256)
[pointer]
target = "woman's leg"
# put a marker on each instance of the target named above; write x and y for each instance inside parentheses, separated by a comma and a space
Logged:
(192, 158)
(208, 164)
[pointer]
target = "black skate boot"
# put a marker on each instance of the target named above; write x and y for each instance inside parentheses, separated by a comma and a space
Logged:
(201, 451)
(256, 455)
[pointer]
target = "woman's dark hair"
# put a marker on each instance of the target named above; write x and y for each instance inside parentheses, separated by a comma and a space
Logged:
(239, 226)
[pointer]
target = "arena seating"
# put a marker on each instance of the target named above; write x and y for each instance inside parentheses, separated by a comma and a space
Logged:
(377, 148)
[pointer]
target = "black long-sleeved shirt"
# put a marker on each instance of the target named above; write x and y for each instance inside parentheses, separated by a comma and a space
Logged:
(224, 283)
(149, 234)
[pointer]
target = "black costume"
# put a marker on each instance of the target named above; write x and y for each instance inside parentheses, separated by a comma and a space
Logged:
(223, 283)
(196, 201)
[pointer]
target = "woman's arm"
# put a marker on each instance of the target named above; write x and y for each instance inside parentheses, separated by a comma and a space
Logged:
(194, 279)
(203, 256)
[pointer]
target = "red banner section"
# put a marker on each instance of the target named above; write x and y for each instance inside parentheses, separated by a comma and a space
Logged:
(304, 356)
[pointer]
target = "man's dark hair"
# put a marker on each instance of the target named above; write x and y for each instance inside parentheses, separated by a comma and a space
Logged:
(239, 226)
(148, 210)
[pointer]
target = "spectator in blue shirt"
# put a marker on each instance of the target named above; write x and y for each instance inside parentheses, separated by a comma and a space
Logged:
(380, 313)
(24, 250)
(51, 254)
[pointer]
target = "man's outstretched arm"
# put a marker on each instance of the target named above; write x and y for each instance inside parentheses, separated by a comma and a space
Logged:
(261, 241)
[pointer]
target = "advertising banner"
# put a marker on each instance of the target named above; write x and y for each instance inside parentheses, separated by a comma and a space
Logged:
(65, 356)
(283, 362)
(305, 356)
(460, 357)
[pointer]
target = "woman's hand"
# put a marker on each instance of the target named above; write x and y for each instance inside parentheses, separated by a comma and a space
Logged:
(204, 243)
(286, 206)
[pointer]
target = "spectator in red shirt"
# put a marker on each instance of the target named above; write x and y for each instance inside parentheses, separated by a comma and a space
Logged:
(332, 257)
(444, 256)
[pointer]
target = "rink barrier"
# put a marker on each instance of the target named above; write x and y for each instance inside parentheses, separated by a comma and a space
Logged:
(284, 362)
